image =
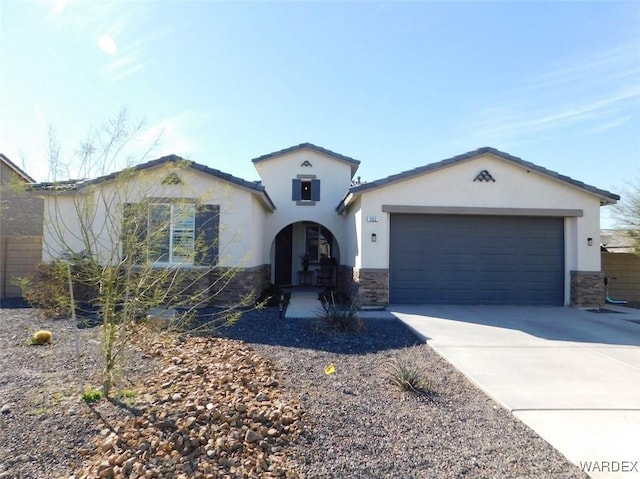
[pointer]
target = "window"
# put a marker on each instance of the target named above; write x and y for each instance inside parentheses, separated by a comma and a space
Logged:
(305, 190)
(166, 233)
(318, 243)
(171, 233)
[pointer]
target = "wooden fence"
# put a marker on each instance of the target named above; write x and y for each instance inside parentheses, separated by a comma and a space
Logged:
(18, 256)
(623, 272)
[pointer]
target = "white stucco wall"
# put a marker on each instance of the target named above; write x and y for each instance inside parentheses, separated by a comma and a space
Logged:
(241, 214)
(277, 174)
(515, 187)
(60, 225)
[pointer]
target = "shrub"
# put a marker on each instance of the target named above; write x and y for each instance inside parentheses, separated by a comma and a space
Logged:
(41, 337)
(336, 317)
(336, 297)
(270, 296)
(405, 373)
(47, 286)
(91, 395)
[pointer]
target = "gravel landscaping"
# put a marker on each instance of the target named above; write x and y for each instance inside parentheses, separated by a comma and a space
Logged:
(254, 402)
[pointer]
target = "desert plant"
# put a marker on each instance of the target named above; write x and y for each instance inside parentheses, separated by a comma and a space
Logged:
(340, 318)
(404, 372)
(270, 296)
(46, 288)
(41, 337)
(91, 395)
(132, 233)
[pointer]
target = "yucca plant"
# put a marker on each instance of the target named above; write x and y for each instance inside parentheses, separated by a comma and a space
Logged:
(337, 317)
(405, 373)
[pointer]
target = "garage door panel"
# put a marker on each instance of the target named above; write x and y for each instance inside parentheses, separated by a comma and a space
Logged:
(476, 259)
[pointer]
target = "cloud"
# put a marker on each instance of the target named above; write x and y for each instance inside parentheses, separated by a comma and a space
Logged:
(171, 135)
(611, 124)
(131, 58)
(58, 6)
(107, 44)
(125, 64)
(594, 95)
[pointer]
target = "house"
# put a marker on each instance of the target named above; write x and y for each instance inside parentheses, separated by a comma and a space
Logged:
(616, 241)
(20, 227)
(483, 227)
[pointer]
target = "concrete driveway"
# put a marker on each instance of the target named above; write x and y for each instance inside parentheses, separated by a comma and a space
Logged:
(572, 376)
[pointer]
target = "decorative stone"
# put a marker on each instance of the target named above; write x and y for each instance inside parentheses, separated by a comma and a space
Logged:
(262, 397)
(252, 436)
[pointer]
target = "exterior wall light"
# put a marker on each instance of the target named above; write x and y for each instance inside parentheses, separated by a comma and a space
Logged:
(590, 241)
(374, 238)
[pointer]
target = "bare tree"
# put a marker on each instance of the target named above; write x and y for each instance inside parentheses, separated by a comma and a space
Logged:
(627, 213)
(134, 242)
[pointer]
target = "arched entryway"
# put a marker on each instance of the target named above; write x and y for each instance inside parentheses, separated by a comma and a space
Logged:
(301, 252)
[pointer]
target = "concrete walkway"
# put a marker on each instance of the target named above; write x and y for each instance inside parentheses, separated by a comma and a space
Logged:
(572, 376)
(305, 304)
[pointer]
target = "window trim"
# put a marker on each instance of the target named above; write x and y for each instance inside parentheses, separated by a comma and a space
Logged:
(297, 186)
(206, 232)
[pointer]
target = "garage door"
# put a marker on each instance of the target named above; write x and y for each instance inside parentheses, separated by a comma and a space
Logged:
(459, 259)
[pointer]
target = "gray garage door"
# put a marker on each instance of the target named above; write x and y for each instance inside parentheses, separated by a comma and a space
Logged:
(459, 259)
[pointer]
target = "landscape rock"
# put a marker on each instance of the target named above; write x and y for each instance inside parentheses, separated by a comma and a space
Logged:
(351, 425)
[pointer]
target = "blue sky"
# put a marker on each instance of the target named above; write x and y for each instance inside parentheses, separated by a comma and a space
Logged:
(395, 85)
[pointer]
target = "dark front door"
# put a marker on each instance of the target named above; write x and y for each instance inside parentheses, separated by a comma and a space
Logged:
(284, 241)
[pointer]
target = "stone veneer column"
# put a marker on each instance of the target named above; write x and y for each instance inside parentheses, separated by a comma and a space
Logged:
(373, 286)
(587, 289)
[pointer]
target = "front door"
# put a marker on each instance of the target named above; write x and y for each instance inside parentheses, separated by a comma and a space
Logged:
(284, 250)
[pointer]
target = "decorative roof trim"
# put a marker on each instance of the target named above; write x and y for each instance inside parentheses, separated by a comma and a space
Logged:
(606, 196)
(20, 172)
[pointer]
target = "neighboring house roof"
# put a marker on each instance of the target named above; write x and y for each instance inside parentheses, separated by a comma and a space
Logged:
(606, 197)
(78, 184)
(310, 146)
(616, 241)
(21, 173)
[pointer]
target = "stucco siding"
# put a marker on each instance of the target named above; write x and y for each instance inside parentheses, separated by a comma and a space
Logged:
(514, 187)
(277, 175)
(20, 209)
(350, 253)
(237, 230)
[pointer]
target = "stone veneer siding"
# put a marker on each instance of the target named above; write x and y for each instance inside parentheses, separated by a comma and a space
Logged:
(587, 289)
(246, 281)
(372, 286)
